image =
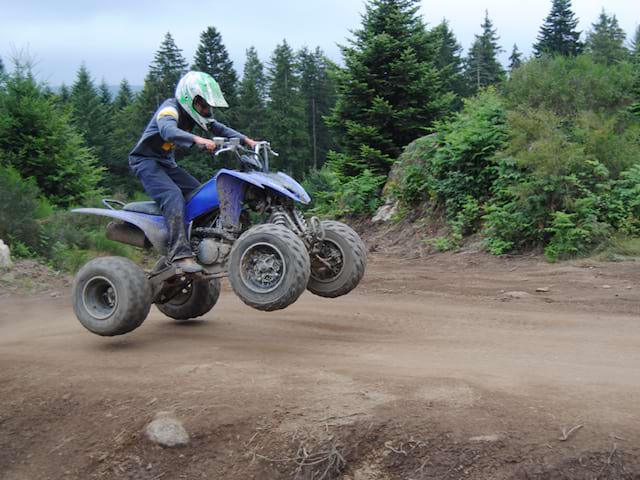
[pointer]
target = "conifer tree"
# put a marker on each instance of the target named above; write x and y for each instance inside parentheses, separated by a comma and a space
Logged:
(635, 62)
(250, 112)
(88, 112)
(211, 57)
(634, 49)
(285, 112)
(515, 59)
(389, 92)
(65, 94)
(482, 67)
(105, 94)
(1, 66)
(448, 60)
(558, 34)
(319, 95)
(124, 96)
(167, 68)
(605, 42)
(41, 142)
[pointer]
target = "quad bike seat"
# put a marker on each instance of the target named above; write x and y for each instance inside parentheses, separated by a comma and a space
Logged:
(150, 208)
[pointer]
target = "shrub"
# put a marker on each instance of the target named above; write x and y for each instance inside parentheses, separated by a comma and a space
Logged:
(21, 205)
(458, 162)
(567, 86)
(37, 138)
(334, 195)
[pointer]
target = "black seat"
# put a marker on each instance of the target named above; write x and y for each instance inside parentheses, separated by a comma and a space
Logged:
(150, 208)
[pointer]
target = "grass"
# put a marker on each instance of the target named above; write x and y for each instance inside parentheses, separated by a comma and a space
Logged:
(619, 248)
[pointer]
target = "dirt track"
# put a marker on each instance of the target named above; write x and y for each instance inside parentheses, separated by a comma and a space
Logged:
(431, 369)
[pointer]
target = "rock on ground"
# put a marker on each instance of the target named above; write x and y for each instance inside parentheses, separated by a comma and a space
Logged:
(5, 257)
(167, 431)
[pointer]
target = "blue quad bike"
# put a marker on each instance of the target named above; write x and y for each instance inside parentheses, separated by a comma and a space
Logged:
(243, 224)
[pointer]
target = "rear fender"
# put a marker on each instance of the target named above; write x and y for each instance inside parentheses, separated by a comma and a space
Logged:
(153, 226)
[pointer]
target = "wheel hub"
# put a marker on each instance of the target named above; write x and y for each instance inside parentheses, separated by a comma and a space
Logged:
(327, 262)
(100, 298)
(262, 268)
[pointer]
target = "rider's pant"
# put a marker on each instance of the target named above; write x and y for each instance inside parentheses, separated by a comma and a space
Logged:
(168, 186)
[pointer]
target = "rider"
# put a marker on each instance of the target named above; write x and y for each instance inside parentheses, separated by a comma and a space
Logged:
(153, 162)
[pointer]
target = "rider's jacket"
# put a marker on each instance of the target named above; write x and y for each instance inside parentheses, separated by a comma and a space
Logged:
(170, 126)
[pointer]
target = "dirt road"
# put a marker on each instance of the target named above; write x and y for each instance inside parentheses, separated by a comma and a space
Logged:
(445, 367)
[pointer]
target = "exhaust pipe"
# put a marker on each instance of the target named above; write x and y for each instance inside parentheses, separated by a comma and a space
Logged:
(127, 233)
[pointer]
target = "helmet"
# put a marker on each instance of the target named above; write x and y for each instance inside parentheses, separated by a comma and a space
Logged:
(199, 84)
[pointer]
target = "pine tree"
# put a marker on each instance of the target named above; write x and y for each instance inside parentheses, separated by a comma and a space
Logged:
(558, 34)
(482, 67)
(211, 57)
(634, 49)
(124, 96)
(65, 94)
(605, 42)
(165, 71)
(105, 94)
(41, 142)
(515, 59)
(250, 112)
(389, 92)
(635, 62)
(285, 112)
(448, 60)
(319, 96)
(88, 113)
(1, 67)
(167, 68)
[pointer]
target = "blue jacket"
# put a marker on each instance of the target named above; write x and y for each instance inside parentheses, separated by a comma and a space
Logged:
(171, 126)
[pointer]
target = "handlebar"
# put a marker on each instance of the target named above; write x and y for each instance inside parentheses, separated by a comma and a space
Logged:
(260, 152)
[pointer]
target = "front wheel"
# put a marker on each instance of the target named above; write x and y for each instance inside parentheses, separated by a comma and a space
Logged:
(269, 267)
(111, 296)
(338, 262)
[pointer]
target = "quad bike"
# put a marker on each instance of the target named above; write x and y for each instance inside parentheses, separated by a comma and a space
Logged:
(243, 224)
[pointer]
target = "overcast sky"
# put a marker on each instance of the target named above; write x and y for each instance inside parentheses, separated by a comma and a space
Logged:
(117, 39)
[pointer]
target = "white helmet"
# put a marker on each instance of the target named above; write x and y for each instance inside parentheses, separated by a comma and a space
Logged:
(199, 84)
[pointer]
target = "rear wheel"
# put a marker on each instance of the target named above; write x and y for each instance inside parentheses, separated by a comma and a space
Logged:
(269, 267)
(194, 300)
(111, 296)
(338, 262)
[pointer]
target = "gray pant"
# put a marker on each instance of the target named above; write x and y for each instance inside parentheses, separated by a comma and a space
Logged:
(168, 186)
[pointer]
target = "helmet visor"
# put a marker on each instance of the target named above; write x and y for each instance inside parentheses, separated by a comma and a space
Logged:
(202, 107)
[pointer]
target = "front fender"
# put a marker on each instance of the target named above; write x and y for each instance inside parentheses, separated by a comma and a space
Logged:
(153, 226)
(279, 182)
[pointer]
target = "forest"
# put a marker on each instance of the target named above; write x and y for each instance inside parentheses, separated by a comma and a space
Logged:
(543, 153)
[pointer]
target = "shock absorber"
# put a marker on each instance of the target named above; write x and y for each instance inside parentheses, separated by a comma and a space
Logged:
(280, 218)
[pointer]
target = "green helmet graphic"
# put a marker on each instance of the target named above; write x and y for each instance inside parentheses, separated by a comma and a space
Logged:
(199, 84)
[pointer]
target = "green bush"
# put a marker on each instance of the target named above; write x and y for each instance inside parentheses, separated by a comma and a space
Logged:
(558, 172)
(567, 86)
(21, 205)
(457, 164)
(624, 202)
(38, 139)
(334, 195)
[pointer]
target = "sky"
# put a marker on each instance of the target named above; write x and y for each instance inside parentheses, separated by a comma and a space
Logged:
(117, 39)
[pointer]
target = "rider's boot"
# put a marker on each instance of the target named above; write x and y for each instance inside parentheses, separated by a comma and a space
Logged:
(188, 265)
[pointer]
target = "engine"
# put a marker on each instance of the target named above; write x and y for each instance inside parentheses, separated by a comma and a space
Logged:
(211, 251)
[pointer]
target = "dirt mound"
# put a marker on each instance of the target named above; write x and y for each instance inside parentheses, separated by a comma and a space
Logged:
(28, 277)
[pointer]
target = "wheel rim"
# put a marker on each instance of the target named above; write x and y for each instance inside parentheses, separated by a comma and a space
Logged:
(262, 268)
(328, 262)
(100, 298)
